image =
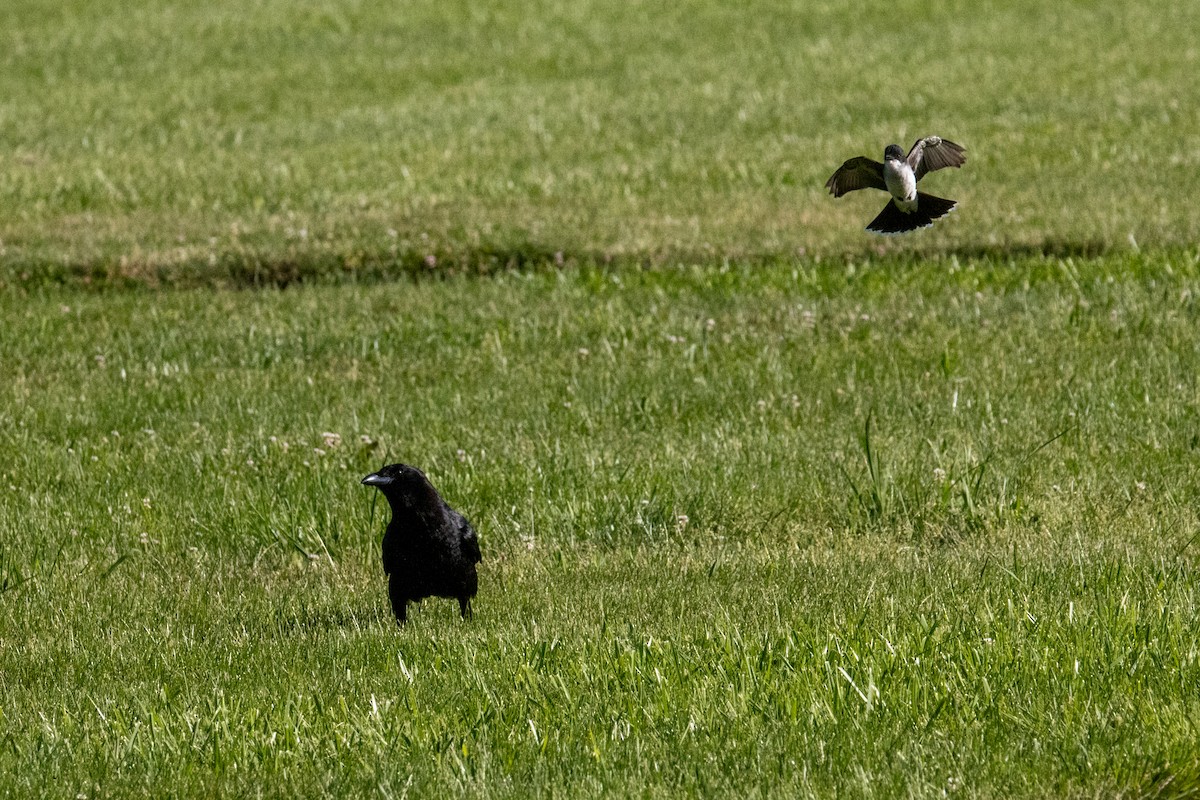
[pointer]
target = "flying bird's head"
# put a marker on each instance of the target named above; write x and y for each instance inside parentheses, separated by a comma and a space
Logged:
(893, 153)
(398, 480)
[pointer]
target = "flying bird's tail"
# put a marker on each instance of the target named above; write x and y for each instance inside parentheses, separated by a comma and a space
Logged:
(934, 207)
(893, 220)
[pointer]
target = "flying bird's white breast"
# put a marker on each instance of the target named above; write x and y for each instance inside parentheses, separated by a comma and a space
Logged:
(901, 183)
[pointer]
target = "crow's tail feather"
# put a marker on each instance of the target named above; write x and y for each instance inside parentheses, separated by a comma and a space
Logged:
(893, 220)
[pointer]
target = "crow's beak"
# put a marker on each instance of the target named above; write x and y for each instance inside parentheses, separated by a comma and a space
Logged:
(375, 479)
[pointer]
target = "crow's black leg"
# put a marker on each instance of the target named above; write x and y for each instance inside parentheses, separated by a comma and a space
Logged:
(464, 606)
(399, 598)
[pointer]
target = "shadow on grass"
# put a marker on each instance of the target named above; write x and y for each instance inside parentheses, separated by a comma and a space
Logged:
(1048, 248)
(374, 617)
(290, 621)
(267, 268)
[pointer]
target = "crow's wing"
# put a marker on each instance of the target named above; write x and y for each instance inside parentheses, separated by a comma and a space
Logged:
(391, 551)
(468, 541)
(856, 173)
(934, 152)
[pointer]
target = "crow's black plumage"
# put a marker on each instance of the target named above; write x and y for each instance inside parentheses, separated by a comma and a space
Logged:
(429, 549)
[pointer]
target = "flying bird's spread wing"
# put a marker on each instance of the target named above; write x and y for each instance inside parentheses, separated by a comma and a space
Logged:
(857, 173)
(934, 152)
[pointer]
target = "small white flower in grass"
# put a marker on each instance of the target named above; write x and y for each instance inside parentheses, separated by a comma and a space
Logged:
(318, 451)
(939, 474)
(331, 440)
(710, 324)
(461, 455)
(145, 502)
(366, 440)
(584, 352)
(681, 521)
(1140, 486)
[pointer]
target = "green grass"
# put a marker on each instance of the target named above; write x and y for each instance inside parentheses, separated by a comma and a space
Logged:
(233, 142)
(695, 579)
(769, 507)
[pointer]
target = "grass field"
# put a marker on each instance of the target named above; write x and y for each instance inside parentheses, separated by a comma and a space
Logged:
(695, 580)
(769, 507)
(271, 140)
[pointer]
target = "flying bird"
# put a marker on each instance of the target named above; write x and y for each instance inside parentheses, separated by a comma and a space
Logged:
(898, 175)
(429, 549)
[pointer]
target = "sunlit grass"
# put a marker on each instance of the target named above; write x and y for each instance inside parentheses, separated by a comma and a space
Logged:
(236, 142)
(769, 507)
(695, 578)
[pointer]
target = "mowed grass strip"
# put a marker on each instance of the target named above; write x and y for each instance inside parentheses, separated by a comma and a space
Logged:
(275, 141)
(889, 528)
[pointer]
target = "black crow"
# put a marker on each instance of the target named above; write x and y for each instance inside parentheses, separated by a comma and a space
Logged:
(898, 175)
(429, 549)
